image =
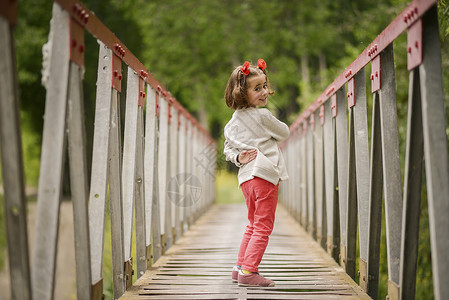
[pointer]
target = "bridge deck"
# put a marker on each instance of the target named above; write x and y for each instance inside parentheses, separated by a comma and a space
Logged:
(199, 265)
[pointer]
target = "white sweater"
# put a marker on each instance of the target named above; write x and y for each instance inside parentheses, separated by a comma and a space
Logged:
(256, 128)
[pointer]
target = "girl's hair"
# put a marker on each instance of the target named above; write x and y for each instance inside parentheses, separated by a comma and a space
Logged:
(236, 89)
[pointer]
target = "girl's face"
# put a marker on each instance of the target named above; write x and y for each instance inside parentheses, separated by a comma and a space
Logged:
(257, 90)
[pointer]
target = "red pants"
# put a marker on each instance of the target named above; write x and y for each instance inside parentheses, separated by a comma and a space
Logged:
(261, 199)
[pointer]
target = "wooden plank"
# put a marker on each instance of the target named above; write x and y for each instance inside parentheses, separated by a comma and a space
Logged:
(311, 205)
(168, 281)
(220, 290)
(319, 183)
(129, 158)
(330, 179)
(152, 211)
(115, 196)
(341, 131)
(375, 202)
(52, 157)
(173, 193)
(78, 181)
(303, 181)
(244, 296)
(435, 151)
(182, 163)
(99, 175)
(391, 162)
(188, 170)
(351, 205)
(162, 167)
(12, 169)
(414, 155)
(362, 159)
(193, 268)
(141, 246)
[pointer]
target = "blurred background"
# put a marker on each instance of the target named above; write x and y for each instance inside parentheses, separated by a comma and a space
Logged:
(192, 46)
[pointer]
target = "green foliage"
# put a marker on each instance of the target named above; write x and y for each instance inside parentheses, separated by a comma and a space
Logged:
(30, 34)
(226, 188)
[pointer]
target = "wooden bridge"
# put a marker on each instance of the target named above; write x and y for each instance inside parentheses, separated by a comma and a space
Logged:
(162, 175)
(197, 266)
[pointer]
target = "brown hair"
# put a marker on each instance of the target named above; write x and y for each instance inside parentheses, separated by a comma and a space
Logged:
(236, 89)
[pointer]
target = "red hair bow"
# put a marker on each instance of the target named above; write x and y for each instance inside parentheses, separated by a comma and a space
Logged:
(261, 64)
(245, 68)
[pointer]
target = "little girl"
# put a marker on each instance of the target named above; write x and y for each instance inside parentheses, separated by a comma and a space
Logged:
(251, 143)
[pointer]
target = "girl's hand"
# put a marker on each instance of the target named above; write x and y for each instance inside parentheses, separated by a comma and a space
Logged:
(247, 155)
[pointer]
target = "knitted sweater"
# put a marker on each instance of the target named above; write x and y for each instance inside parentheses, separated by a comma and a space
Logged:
(256, 128)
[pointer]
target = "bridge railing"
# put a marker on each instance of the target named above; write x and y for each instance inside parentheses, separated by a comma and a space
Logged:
(337, 184)
(161, 175)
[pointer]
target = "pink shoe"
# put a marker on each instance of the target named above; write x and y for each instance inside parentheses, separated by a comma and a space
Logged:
(235, 274)
(254, 279)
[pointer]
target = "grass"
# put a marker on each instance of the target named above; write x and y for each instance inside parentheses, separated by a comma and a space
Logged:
(226, 188)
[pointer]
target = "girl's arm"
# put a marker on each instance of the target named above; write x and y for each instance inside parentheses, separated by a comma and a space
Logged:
(277, 129)
(239, 158)
(231, 154)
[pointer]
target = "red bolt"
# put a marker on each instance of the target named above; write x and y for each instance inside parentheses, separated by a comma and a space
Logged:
(416, 44)
(81, 13)
(377, 74)
(81, 48)
(372, 77)
(120, 77)
(73, 43)
(115, 73)
(405, 19)
(409, 49)
(416, 10)
(140, 94)
(143, 95)
(86, 18)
